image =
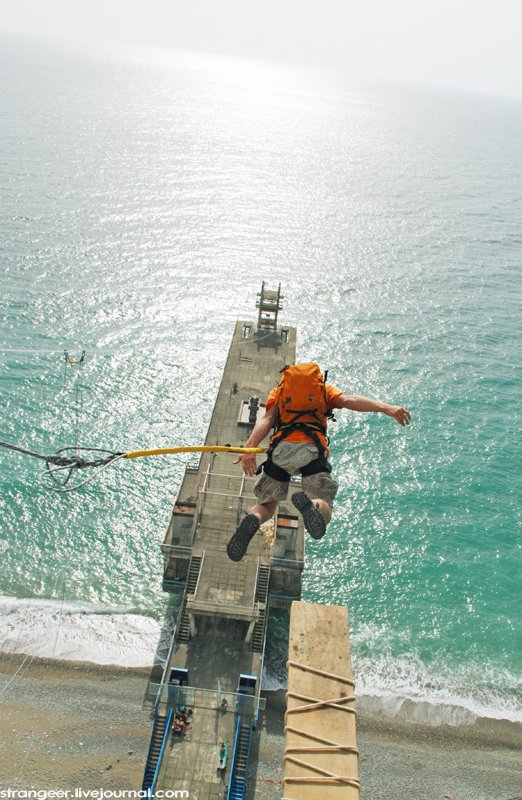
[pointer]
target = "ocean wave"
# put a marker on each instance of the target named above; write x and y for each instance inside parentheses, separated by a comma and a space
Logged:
(390, 670)
(377, 696)
(404, 688)
(77, 632)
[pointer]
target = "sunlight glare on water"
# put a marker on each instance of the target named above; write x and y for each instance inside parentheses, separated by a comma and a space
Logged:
(143, 202)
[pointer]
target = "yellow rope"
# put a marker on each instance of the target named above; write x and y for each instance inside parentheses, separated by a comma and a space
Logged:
(162, 451)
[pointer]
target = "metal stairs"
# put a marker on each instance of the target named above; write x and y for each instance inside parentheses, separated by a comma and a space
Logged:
(183, 629)
(155, 748)
(261, 597)
(238, 778)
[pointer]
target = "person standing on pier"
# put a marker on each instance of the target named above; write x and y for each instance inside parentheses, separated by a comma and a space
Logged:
(298, 409)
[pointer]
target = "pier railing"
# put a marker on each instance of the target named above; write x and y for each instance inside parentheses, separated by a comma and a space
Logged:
(250, 613)
(217, 485)
(240, 760)
(162, 750)
(195, 697)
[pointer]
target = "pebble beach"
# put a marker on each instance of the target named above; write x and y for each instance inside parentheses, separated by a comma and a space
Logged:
(67, 726)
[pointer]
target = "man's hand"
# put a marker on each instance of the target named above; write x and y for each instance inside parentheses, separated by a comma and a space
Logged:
(261, 430)
(248, 462)
(402, 415)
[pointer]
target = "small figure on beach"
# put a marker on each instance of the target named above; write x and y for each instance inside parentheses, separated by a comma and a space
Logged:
(298, 409)
(179, 728)
(222, 755)
(181, 720)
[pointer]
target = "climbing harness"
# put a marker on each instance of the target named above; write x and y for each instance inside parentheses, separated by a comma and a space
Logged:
(62, 464)
(301, 405)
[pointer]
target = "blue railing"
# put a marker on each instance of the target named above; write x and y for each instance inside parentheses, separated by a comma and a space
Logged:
(234, 758)
(164, 742)
(151, 770)
(238, 776)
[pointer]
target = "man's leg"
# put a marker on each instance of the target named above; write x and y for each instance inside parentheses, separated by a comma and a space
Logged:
(314, 520)
(264, 511)
(248, 527)
(315, 502)
(324, 508)
(268, 492)
(238, 544)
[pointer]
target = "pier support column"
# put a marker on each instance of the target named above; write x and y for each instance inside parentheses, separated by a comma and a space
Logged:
(320, 741)
(250, 631)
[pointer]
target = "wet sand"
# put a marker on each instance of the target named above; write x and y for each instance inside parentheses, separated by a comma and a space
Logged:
(65, 725)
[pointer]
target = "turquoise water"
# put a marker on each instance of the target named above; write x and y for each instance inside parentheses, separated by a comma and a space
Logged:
(144, 197)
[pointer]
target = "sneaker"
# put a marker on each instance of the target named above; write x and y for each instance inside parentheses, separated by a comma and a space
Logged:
(237, 546)
(314, 521)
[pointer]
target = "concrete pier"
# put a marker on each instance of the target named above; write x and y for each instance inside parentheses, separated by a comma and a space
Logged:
(215, 662)
(212, 677)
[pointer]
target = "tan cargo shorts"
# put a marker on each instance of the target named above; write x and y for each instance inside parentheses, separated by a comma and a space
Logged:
(291, 456)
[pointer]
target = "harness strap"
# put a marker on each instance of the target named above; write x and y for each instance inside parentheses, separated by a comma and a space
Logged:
(273, 471)
(320, 464)
(309, 428)
(295, 422)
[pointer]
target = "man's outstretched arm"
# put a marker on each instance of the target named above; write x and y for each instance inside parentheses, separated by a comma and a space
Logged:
(259, 432)
(355, 403)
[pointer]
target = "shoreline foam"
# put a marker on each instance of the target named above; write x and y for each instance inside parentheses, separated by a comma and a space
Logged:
(121, 637)
(77, 633)
(399, 712)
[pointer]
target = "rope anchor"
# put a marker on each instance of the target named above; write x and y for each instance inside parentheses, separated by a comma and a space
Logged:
(71, 360)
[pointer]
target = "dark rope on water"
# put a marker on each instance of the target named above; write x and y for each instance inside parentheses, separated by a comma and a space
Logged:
(74, 361)
(62, 464)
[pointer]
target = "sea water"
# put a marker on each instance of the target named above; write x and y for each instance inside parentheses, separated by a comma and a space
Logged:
(144, 197)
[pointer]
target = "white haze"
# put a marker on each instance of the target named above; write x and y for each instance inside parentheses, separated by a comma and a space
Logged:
(468, 44)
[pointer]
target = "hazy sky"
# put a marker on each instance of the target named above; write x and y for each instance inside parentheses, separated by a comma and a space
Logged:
(473, 44)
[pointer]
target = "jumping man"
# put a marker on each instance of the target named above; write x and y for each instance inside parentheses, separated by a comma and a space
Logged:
(297, 409)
